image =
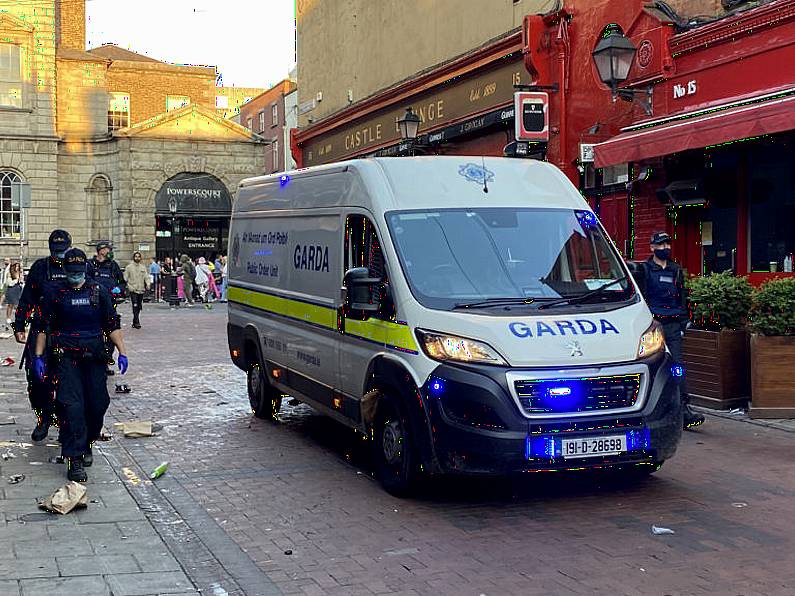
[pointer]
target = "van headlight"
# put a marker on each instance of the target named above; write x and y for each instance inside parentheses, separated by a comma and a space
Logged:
(652, 341)
(443, 347)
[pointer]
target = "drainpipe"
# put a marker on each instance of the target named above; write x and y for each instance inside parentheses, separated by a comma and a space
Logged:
(563, 46)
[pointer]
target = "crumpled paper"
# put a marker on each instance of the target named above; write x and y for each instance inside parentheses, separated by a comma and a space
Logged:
(70, 496)
(135, 428)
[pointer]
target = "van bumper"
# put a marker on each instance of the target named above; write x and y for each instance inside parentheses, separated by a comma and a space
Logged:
(477, 427)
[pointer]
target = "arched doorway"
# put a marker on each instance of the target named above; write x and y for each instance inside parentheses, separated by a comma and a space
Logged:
(192, 211)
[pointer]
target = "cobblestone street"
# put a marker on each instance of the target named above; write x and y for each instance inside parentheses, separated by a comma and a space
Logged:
(252, 507)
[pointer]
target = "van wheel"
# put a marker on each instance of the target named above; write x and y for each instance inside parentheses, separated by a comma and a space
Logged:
(393, 448)
(265, 400)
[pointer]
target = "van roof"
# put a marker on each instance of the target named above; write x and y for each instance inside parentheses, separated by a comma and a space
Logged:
(429, 182)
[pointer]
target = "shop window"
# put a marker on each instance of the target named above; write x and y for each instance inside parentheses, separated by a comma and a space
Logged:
(175, 102)
(118, 111)
(9, 214)
(771, 195)
(10, 76)
(98, 205)
(274, 115)
(618, 174)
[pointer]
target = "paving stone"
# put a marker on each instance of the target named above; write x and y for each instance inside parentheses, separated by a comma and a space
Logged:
(37, 548)
(25, 568)
(142, 584)
(9, 587)
(156, 560)
(97, 565)
(63, 586)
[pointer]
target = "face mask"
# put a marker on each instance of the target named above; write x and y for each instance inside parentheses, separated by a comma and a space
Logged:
(662, 253)
(59, 255)
(75, 279)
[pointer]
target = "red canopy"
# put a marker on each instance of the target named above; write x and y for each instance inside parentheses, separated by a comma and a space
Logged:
(701, 128)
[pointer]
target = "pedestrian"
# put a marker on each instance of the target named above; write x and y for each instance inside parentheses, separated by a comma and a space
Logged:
(76, 317)
(224, 279)
(45, 275)
(11, 290)
(667, 299)
(4, 270)
(167, 267)
(154, 271)
(137, 279)
(202, 279)
(188, 277)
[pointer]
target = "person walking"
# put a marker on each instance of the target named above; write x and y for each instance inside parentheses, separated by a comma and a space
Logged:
(667, 299)
(224, 278)
(75, 318)
(11, 290)
(205, 280)
(45, 275)
(5, 268)
(188, 277)
(137, 279)
(154, 272)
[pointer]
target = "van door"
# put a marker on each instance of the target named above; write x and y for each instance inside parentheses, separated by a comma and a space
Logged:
(361, 339)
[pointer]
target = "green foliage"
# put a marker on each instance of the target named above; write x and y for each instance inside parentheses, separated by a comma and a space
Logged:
(719, 301)
(773, 312)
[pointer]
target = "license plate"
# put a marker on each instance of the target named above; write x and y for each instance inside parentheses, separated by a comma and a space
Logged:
(593, 446)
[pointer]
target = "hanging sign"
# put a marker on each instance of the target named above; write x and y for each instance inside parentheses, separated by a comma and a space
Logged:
(532, 116)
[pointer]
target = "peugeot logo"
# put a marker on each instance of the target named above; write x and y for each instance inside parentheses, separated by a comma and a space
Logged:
(576, 349)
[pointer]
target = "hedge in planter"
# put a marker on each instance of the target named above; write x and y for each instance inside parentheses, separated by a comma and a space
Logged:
(773, 350)
(715, 350)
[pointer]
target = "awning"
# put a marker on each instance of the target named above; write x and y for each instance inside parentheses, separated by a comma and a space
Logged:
(713, 125)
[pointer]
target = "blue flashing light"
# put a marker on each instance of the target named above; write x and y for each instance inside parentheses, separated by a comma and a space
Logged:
(678, 370)
(639, 440)
(540, 448)
(436, 386)
(586, 218)
(284, 179)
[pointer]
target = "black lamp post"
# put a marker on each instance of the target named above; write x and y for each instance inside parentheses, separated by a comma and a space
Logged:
(172, 209)
(173, 297)
(613, 57)
(409, 126)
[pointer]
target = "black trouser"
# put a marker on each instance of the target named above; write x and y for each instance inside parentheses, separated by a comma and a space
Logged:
(40, 393)
(673, 329)
(81, 400)
(137, 306)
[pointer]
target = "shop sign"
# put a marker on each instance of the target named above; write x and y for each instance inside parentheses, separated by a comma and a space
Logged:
(451, 101)
(586, 152)
(194, 193)
(532, 125)
(200, 237)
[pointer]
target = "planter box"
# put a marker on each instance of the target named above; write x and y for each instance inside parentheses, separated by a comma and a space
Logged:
(772, 378)
(717, 368)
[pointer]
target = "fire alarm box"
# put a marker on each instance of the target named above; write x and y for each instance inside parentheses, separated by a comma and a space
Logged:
(531, 116)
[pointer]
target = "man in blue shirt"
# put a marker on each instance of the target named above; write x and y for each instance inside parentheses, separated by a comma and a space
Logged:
(667, 299)
(154, 271)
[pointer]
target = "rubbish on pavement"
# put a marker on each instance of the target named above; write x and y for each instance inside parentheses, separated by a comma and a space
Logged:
(105, 434)
(736, 412)
(658, 530)
(739, 505)
(123, 388)
(70, 496)
(135, 428)
(7, 361)
(16, 478)
(159, 471)
(8, 454)
(288, 552)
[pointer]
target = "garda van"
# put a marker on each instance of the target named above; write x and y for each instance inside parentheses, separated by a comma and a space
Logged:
(468, 314)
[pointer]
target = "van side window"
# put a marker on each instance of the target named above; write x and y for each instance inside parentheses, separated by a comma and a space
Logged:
(363, 249)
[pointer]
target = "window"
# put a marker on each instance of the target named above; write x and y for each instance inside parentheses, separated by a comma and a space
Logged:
(98, 202)
(10, 76)
(175, 102)
(363, 249)
(275, 155)
(274, 115)
(250, 124)
(221, 102)
(261, 121)
(9, 215)
(118, 111)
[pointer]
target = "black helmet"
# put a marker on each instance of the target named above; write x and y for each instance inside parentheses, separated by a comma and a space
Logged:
(59, 241)
(104, 244)
(74, 261)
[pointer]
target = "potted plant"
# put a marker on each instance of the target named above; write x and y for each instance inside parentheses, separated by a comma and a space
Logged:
(773, 350)
(715, 349)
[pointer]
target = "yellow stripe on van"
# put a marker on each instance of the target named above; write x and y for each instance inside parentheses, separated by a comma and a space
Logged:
(374, 330)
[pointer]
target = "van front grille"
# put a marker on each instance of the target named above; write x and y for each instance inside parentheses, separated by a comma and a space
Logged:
(587, 395)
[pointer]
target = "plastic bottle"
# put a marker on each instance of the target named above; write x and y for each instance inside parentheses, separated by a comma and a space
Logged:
(159, 471)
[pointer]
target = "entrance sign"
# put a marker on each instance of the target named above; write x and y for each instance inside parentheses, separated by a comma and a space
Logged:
(196, 193)
(532, 116)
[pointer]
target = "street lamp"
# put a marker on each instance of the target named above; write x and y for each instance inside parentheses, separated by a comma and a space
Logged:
(409, 126)
(172, 209)
(613, 57)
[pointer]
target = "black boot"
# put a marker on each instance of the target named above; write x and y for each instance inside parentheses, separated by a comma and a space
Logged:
(88, 458)
(691, 419)
(42, 429)
(74, 469)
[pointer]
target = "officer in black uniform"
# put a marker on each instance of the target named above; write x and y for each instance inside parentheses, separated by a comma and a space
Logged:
(45, 275)
(667, 299)
(107, 273)
(76, 317)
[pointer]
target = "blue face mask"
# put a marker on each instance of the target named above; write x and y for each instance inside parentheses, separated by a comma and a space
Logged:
(59, 255)
(75, 279)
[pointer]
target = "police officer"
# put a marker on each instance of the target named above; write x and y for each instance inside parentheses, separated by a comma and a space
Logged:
(667, 299)
(45, 275)
(76, 317)
(107, 273)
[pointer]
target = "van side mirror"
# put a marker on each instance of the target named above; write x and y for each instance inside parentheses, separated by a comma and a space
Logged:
(638, 272)
(361, 291)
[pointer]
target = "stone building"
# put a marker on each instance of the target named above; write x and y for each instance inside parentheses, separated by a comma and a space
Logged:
(109, 140)
(266, 114)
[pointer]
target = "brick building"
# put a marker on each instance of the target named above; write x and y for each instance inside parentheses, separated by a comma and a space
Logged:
(266, 115)
(108, 140)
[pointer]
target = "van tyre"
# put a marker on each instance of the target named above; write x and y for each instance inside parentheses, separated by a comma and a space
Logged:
(393, 447)
(265, 400)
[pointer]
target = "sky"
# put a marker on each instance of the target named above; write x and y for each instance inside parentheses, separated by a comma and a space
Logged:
(251, 42)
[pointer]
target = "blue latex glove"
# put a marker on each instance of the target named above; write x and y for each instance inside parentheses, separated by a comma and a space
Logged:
(123, 364)
(116, 291)
(39, 367)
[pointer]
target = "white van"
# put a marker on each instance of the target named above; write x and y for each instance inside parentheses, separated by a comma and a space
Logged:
(469, 314)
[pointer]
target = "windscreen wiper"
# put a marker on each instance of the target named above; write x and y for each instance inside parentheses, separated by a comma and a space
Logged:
(582, 297)
(508, 301)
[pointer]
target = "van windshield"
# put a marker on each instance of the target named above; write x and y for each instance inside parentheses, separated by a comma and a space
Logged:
(487, 257)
